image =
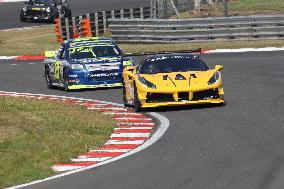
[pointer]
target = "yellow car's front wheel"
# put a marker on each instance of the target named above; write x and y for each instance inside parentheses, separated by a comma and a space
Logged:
(137, 103)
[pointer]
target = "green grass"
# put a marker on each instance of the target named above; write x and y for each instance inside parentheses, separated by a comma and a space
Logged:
(36, 41)
(36, 134)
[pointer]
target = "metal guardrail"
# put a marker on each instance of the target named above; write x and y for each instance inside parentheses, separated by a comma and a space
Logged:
(99, 20)
(197, 30)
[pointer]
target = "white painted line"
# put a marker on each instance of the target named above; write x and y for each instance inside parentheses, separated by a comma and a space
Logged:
(266, 49)
(65, 168)
(111, 150)
(130, 135)
(10, 1)
(7, 57)
(125, 142)
(86, 159)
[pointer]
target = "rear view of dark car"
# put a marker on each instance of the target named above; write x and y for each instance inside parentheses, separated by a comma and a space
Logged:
(45, 10)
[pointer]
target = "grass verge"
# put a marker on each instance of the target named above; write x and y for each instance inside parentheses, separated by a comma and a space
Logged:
(36, 134)
(238, 8)
(36, 41)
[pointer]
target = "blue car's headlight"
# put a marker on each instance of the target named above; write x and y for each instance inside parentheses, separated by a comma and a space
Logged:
(214, 78)
(146, 82)
(77, 67)
(47, 9)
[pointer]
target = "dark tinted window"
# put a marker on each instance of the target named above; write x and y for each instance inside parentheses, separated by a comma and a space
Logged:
(45, 2)
(166, 64)
(93, 52)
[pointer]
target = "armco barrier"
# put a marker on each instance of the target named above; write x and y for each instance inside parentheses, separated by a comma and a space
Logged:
(198, 29)
(70, 27)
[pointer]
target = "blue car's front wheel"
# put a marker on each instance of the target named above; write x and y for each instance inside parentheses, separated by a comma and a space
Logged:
(65, 77)
(47, 78)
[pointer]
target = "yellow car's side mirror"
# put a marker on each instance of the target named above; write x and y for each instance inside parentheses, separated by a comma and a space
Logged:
(219, 67)
(129, 68)
(50, 54)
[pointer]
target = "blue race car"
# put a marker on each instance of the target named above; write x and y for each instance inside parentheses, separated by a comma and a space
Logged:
(85, 63)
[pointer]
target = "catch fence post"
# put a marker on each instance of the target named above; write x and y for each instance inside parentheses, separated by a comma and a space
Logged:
(141, 13)
(121, 14)
(97, 24)
(104, 21)
(67, 28)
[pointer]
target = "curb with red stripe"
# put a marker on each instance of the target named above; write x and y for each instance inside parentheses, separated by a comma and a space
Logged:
(133, 129)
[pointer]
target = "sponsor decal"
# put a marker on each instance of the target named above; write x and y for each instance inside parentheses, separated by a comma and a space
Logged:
(104, 74)
(73, 75)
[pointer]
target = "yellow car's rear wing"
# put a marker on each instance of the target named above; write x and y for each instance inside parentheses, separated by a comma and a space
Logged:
(163, 52)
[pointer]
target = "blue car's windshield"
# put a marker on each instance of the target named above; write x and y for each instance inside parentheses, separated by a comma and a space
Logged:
(93, 52)
(172, 63)
(40, 2)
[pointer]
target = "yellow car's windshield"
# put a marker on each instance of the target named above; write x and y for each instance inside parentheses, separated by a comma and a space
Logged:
(172, 63)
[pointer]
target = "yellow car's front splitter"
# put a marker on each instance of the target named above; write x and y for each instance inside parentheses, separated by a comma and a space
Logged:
(182, 103)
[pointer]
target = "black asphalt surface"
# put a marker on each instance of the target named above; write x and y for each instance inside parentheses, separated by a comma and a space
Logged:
(10, 12)
(236, 146)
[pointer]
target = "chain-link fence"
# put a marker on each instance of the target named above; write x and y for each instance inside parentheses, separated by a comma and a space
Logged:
(212, 8)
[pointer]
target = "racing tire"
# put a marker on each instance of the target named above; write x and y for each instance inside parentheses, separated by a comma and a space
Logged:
(22, 18)
(68, 13)
(124, 96)
(47, 78)
(65, 81)
(137, 103)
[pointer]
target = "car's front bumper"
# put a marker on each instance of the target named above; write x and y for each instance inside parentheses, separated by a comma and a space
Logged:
(183, 103)
(209, 95)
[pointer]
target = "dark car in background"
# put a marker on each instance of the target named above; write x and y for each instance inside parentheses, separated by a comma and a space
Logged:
(45, 10)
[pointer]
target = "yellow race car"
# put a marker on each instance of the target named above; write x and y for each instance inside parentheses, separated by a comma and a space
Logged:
(171, 79)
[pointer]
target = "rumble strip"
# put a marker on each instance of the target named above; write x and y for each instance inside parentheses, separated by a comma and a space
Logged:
(134, 132)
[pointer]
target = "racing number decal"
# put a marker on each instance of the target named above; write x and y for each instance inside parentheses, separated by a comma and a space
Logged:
(57, 70)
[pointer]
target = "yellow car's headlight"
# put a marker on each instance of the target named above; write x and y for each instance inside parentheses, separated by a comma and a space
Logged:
(146, 82)
(214, 78)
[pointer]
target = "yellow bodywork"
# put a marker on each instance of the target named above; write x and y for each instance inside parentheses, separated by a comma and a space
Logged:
(179, 92)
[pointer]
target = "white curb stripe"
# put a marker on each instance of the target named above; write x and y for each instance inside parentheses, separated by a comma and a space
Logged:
(130, 135)
(125, 142)
(111, 150)
(132, 128)
(131, 118)
(129, 123)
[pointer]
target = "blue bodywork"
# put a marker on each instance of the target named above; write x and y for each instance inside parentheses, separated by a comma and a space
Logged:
(85, 71)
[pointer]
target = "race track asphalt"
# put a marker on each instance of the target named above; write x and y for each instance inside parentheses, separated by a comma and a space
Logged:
(10, 12)
(236, 146)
